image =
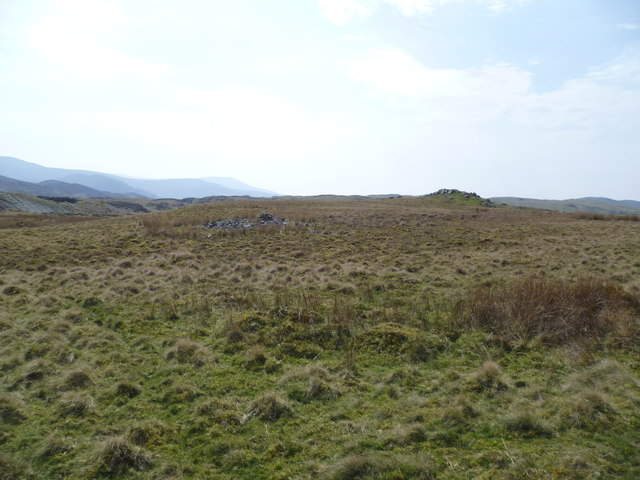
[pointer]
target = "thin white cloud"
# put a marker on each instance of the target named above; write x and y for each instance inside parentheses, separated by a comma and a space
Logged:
(628, 26)
(77, 37)
(606, 95)
(607, 98)
(341, 11)
(355, 38)
(466, 95)
(418, 7)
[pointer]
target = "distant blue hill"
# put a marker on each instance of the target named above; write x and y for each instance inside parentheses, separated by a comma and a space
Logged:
(625, 203)
(53, 188)
(132, 187)
(601, 205)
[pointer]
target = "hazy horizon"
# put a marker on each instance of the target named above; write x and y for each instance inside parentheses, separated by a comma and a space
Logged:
(526, 98)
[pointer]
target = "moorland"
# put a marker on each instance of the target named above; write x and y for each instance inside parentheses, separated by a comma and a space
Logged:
(399, 338)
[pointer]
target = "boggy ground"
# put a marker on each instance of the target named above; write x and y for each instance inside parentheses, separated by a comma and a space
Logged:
(366, 339)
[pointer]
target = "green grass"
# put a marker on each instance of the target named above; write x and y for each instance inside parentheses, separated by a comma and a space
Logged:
(357, 346)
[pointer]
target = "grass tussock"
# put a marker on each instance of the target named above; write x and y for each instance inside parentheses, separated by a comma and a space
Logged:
(553, 311)
(313, 382)
(148, 432)
(269, 407)
(127, 389)
(590, 408)
(115, 455)
(78, 378)
(524, 422)
(459, 412)
(11, 408)
(76, 404)
(156, 225)
(605, 217)
(188, 351)
(220, 411)
(377, 466)
(12, 468)
(489, 378)
(55, 445)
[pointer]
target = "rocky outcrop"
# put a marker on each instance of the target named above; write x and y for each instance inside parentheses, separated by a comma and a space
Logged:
(246, 223)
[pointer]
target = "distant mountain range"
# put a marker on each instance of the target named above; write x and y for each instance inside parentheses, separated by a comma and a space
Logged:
(18, 176)
(602, 205)
(54, 188)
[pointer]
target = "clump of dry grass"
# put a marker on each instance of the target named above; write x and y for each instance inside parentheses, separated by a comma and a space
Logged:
(181, 392)
(607, 375)
(55, 445)
(148, 432)
(603, 216)
(166, 227)
(11, 408)
(78, 378)
(407, 434)
(76, 404)
(127, 389)
(319, 388)
(223, 412)
(525, 423)
(35, 371)
(489, 378)
(590, 407)
(459, 412)
(313, 382)
(376, 465)
(255, 357)
(13, 468)
(554, 311)
(188, 351)
(269, 407)
(116, 454)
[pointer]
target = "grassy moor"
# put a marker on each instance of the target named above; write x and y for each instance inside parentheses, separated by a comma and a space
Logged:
(439, 337)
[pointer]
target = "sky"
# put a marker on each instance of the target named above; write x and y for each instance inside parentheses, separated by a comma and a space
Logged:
(527, 98)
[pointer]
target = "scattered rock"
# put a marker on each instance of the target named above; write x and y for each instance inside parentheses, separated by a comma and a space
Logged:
(453, 191)
(263, 219)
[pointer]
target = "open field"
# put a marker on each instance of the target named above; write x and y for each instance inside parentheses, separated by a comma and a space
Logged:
(396, 338)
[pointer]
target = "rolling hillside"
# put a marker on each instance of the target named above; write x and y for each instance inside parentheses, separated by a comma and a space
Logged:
(600, 205)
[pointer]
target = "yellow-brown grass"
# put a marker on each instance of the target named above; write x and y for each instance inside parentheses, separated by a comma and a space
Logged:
(555, 311)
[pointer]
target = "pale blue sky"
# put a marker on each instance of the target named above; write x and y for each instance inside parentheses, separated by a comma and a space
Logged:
(536, 98)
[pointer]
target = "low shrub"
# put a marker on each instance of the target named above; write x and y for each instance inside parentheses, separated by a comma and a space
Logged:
(554, 311)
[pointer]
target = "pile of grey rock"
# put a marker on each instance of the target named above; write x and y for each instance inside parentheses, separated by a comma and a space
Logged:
(453, 191)
(246, 223)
